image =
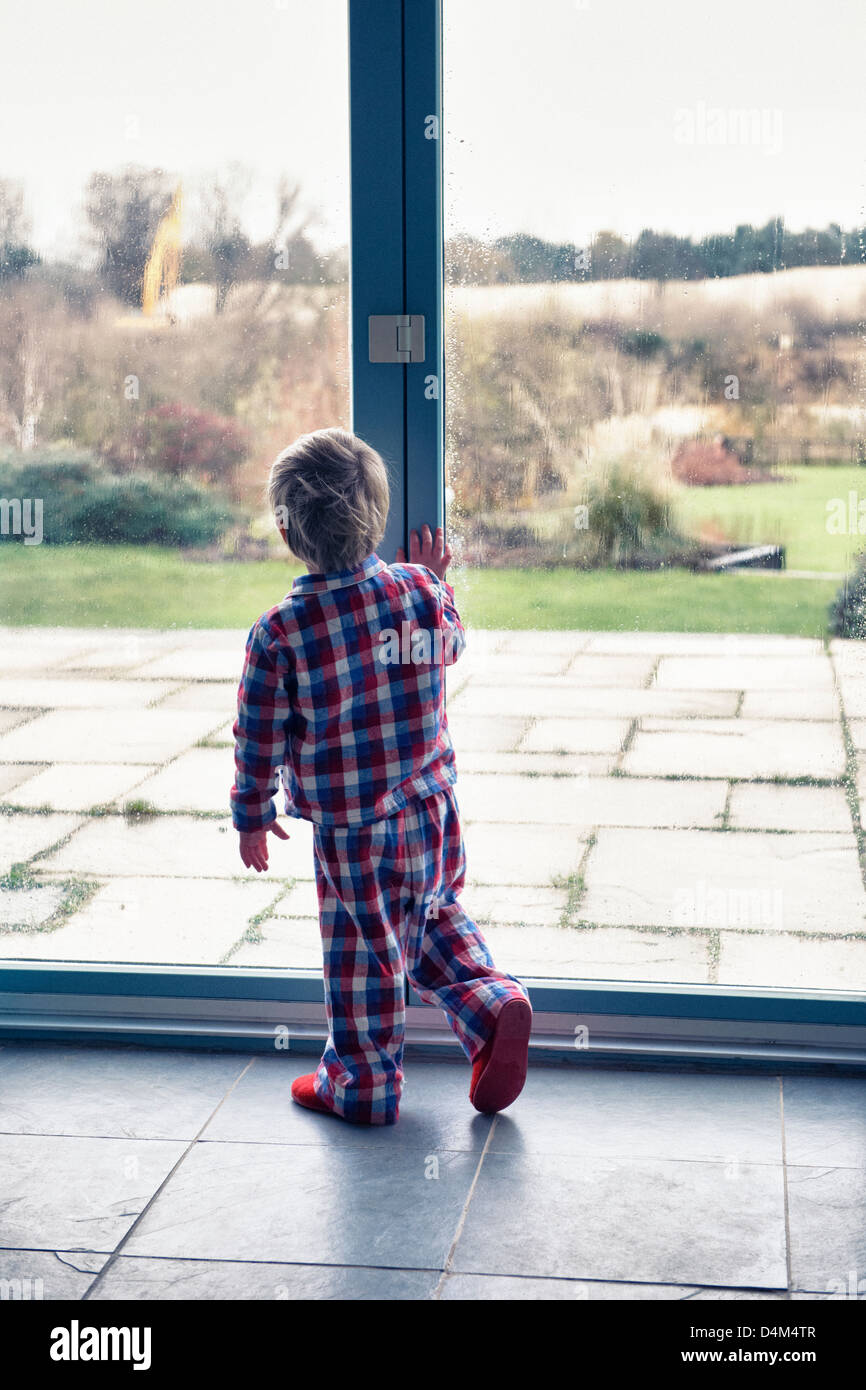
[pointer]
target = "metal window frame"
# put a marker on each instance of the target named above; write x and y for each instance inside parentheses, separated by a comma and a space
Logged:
(395, 60)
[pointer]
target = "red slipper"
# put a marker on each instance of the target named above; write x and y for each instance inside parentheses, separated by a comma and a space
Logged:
(304, 1093)
(499, 1070)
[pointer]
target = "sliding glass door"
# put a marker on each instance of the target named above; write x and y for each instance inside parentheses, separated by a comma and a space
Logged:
(174, 219)
(655, 300)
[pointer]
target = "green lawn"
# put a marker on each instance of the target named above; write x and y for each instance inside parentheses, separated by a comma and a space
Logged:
(793, 514)
(90, 586)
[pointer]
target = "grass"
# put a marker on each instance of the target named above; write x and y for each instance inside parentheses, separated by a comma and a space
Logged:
(793, 514)
(667, 601)
(147, 587)
(133, 586)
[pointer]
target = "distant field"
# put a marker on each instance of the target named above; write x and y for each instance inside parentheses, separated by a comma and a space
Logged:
(130, 587)
(829, 293)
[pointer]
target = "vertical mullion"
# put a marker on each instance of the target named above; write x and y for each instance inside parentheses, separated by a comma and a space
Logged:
(424, 258)
(376, 277)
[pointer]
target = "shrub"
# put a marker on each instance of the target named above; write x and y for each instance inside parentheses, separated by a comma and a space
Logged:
(625, 517)
(848, 609)
(182, 441)
(83, 502)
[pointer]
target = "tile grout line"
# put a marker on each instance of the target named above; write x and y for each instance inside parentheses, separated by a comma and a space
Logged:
(788, 1270)
(115, 1254)
(449, 1258)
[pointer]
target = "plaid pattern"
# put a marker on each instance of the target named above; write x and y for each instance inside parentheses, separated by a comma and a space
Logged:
(354, 736)
(389, 908)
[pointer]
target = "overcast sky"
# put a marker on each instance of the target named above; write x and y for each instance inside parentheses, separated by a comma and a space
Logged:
(562, 116)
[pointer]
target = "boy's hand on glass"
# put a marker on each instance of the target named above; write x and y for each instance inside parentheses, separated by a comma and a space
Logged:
(429, 549)
(254, 845)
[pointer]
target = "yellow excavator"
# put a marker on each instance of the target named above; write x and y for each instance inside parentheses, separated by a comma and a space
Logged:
(162, 269)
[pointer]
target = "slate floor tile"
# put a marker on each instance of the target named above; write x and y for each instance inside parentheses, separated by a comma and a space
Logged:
(124, 1092)
(139, 1279)
(311, 1203)
(604, 1218)
(62, 1193)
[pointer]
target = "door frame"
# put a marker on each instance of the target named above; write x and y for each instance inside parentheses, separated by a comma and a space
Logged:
(397, 253)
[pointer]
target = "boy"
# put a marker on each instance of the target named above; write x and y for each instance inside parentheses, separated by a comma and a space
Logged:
(343, 689)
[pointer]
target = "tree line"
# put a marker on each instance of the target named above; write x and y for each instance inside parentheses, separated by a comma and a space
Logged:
(521, 258)
(121, 212)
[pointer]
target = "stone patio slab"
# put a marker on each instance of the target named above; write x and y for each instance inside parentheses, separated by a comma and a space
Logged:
(221, 696)
(300, 901)
(591, 801)
(105, 736)
(12, 718)
(287, 942)
(747, 748)
(543, 642)
(722, 644)
(623, 703)
(730, 880)
(853, 692)
(23, 836)
(762, 806)
(525, 906)
(791, 962)
(538, 701)
(199, 780)
(121, 651)
(57, 692)
(610, 669)
(79, 786)
(41, 649)
(575, 736)
(849, 658)
(790, 704)
(745, 673)
(601, 953)
(475, 733)
(151, 921)
(857, 730)
(211, 663)
(491, 667)
(223, 736)
(176, 846)
(28, 907)
(521, 854)
(538, 764)
(12, 775)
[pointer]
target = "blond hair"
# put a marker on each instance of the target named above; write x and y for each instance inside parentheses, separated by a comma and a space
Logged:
(329, 493)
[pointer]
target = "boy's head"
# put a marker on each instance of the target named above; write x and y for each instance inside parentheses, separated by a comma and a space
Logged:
(329, 494)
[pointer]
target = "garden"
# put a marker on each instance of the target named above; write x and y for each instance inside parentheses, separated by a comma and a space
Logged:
(608, 436)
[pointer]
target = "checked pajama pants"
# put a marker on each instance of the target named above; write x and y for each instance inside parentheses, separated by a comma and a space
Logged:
(389, 909)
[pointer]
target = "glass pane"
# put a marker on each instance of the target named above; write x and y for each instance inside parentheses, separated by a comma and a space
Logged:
(173, 312)
(655, 416)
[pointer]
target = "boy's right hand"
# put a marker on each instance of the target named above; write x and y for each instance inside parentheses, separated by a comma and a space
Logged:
(254, 845)
(429, 550)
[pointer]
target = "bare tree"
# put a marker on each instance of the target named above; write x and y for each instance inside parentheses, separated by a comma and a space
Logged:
(222, 228)
(33, 346)
(15, 226)
(123, 210)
